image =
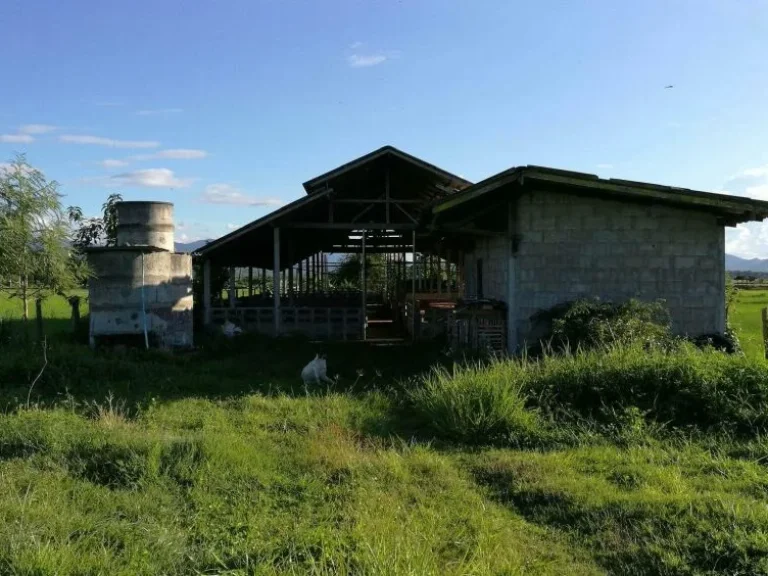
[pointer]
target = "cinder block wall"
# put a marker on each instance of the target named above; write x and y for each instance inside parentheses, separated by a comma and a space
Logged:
(495, 255)
(574, 246)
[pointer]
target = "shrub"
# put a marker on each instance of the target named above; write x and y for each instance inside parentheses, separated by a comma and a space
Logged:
(587, 324)
(475, 406)
(689, 387)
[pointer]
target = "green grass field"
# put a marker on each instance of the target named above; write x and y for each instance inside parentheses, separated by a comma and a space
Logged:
(221, 462)
(56, 313)
(747, 322)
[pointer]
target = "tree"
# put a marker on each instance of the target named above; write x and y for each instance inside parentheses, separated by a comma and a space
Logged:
(35, 258)
(97, 231)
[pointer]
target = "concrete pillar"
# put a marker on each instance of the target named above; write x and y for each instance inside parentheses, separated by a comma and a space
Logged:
(207, 292)
(276, 280)
(363, 285)
(232, 288)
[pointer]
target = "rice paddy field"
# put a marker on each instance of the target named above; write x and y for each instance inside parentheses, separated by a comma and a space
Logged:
(221, 462)
(747, 321)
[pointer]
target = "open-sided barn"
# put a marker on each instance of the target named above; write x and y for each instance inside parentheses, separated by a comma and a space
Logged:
(504, 248)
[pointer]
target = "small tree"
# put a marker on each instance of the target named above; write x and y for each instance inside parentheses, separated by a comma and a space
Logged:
(35, 257)
(97, 231)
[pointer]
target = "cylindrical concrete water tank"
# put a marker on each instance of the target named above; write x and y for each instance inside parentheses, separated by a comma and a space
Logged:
(145, 224)
(133, 286)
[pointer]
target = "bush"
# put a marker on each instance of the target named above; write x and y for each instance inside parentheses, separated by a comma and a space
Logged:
(475, 406)
(587, 324)
(706, 389)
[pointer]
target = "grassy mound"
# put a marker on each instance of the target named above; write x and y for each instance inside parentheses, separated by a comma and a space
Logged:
(704, 390)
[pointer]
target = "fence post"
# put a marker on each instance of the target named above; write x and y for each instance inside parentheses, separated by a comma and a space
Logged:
(764, 314)
(74, 302)
(39, 318)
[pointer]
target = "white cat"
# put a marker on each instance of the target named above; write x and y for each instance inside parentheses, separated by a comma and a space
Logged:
(230, 330)
(316, 371)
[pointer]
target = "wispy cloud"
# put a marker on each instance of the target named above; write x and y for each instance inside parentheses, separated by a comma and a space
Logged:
(159, 112)
(108, 103)
(113, 163)
(37, 128)
(365, 60)
(752, 182)
(16, 138)
(359, 58)
(228, 194)
(174, 154)
(151, 178)
(108, 142)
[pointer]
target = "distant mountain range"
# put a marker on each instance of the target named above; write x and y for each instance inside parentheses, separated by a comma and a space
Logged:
(736, 264)
(188, 247)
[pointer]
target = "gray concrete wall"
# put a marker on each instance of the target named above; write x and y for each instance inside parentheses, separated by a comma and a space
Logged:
(573, 246)
(495, 255)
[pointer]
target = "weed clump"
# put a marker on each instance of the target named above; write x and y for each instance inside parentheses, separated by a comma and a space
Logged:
(475, 406)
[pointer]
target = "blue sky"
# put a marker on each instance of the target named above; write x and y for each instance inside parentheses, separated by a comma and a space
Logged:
(225, 108)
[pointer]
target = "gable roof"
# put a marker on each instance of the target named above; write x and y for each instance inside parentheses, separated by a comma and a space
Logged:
(451, 180)
(735, 209)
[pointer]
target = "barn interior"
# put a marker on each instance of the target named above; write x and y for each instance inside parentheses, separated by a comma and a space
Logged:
(355, 258)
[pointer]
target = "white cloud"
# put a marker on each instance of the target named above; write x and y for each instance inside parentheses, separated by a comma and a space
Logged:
(108, 142)
(231, 226)
(760, 172)
(749, 240)
(36, 129)
(356, 45)
(6, 168)
(113, 163)
(174, 154)
(151, 178)
(16, 138)
(228, 194)
(365, 60)
(757, 192)
(159, 112)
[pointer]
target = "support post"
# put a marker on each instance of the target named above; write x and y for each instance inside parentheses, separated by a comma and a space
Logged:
(263, 281)
(386, 193)
(290, 285)
(207, 292)
(276, 280)
(309, 284)
(764, 315)
(74, 302)
(363, 285)
(448, 273)
(39, 319)
(413, 288)
(232, 287)
(440, 271)
(301, 278)
(250, 280)
(314, 273)
(511, 281)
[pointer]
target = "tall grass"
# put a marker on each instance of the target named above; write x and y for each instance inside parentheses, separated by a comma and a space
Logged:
(687, 387)
(475, 405)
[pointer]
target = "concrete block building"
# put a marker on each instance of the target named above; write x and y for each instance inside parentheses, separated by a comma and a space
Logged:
(529, 237)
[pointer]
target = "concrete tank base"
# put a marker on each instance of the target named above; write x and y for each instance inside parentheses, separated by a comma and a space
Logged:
(124, 277)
